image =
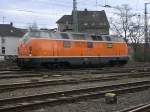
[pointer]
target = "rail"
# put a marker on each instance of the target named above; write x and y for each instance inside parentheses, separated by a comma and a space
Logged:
(61, 97)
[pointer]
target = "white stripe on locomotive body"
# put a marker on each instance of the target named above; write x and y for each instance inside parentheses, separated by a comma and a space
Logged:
(72, 56)
(75, 40)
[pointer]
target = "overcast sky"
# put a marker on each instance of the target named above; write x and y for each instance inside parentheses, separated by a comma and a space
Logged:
(46, 12)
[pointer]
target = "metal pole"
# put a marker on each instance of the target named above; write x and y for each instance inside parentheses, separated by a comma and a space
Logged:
(146, 32)
(96, 5)
(75, 16)
(3, 19)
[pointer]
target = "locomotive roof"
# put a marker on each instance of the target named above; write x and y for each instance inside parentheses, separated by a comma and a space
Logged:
(70, 36)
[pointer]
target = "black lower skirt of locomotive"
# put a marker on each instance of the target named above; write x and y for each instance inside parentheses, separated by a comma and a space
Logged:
(71, 61)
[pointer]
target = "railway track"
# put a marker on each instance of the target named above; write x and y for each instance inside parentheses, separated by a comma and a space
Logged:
(9, 66)
(79, 68)
(31, 73)
(11, 76)
(139, 108)
(19, 104)
(31, 102)
(39, 83)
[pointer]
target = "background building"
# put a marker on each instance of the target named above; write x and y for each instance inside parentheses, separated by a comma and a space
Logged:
(9, 37)
(93, 22)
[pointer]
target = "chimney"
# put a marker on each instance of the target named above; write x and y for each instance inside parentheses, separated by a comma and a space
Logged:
(85, 9)
(11, 23)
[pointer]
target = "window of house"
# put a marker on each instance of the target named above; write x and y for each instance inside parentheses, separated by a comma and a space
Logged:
(101, 24)
(3, 40)
(94, 15)
(85, 24)
(67, 44)
(11, 31)
(89, 44)
(3, 50)
(104, 24)
(64, 36)
(93, 24)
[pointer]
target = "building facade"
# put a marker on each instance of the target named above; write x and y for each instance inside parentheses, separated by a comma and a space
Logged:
(93, 22)
(9, 38)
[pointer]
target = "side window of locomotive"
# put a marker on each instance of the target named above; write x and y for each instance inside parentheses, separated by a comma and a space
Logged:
(89, 44)
(50, 35)
(35, 34)
(64, 36)
(108, 38)
(99, 38)
(55, 35)
(25, 37)
(114, 38)
(67, 44)
(122, 39)
(78, 36)
(44, 35)
(94, 37)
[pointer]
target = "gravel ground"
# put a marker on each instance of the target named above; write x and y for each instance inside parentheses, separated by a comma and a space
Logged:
(99, 105)
(53, 75)
(95, 105)
(56, 76)
(51, 89)
(17, 80)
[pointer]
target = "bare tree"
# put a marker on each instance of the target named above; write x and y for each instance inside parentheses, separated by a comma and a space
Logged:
(136, 31)
(122, 21)
(128, 25)
(136, 35)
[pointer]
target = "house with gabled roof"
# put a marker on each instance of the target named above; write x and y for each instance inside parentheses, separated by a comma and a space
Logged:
(9, 37)
(92, 22)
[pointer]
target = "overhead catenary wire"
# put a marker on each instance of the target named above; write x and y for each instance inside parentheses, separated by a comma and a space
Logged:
(33, 12)
(61, 7)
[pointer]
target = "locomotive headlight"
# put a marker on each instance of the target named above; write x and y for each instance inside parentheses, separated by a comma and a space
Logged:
(30, 51)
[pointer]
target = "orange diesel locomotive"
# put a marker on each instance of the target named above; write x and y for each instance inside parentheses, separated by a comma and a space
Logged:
(59, 48)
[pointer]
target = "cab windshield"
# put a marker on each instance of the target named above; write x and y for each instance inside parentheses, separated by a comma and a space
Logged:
(39, 34)
(36, 34)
